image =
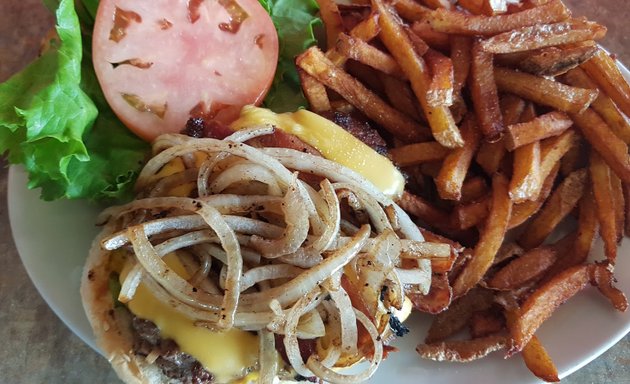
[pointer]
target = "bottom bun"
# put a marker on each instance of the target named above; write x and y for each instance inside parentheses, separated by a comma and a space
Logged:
(111, 325)
(115, 332)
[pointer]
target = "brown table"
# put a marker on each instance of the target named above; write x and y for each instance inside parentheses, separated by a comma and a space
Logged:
(35, 346)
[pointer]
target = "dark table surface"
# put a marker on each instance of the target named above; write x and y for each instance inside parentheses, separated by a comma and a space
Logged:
(36, 347)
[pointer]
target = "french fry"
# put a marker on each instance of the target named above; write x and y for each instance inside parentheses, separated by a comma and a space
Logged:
(603, 278)
(490, 155)
(543, 35)
(620, 205)
(461, 55)
(315, 93)
(577, 252)
(431, 169)
(313, 62)
(605, 202)
(455, 166)
(461, 261)
(437, 300)
(541, 304)
(559, 205)
(563, 247)
(507, 251)
(529, 113)
(602, 105)
(544, 91)
(400, 96)
(411, 10)
(395, 39)
(587, 228)
(545, 126)
(526, 174)
(604, 71)
(422, 209)
(550, 61)
(523, 269)
(473, 6)
(366, 75)
(533, 3)
(329, 13)
(626, 196)
(490, 238)
(617, 122)
(444, 265)
(606, 143)
(526, 179)
(463, 350)
(512, 107)
(418, 153)
(473, 189)
(365, 30)
(553, 149)
(457, 315)
(484, 323)
(434, 39)
(574, 159)
(353, 12)
(484, 94)
(518, 7)
(461, 24)
(539, 362)
(434, 4)
(440, 92)
(523, 211)
(419, 45)
(471, 214)
(441, 265)
(367, 54)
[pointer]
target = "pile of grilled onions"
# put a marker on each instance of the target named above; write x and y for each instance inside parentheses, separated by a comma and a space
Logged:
(276, 241)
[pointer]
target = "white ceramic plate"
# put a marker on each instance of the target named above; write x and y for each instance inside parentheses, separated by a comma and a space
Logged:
(53, 239)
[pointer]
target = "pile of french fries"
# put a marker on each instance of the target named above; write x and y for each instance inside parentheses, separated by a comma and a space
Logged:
(511, 125)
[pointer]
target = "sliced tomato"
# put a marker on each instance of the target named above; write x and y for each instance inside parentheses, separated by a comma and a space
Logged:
(160, 62)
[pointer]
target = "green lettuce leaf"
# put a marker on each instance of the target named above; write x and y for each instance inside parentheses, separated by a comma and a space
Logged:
(90, 6)
(294, 20)
(54, 120)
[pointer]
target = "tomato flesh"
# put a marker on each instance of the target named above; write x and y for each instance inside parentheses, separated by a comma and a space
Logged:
(160, 62)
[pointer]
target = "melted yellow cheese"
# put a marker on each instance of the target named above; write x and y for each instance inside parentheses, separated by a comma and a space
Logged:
(332, 141)
(249, 379)
(177, 165)
(226, 355)
(174, 166)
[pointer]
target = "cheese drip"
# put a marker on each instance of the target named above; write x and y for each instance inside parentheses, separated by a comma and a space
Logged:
(227, 355)
(332, 141)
